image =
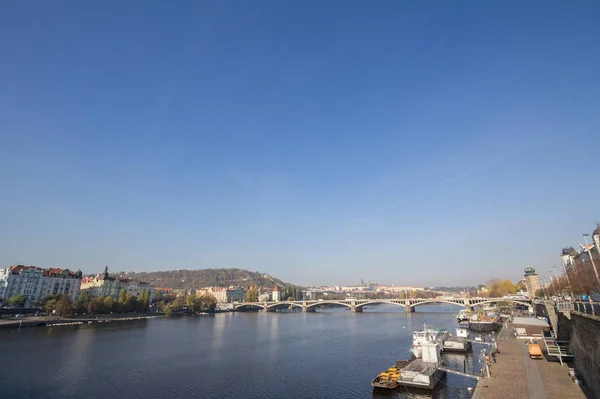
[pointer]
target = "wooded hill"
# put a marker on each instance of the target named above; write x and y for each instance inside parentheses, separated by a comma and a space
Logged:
(186, 279)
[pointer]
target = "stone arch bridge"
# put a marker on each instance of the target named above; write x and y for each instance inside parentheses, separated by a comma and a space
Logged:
(357, 305)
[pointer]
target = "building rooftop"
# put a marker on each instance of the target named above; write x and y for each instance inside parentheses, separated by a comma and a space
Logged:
(49, 272)
(530, 321)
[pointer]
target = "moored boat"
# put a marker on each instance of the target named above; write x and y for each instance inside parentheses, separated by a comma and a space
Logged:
(427, 335)
(380, 382)
(484, 323)
(463, 315)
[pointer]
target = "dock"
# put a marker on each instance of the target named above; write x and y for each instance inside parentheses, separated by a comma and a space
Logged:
(420, 374)
(515, 375)
(462, 373)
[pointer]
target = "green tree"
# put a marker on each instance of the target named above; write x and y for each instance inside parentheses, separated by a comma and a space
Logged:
(252, 294)
(64, 306)
(169, 309)
(18, 301)
(131, 303)
(143, 301)
(190, 301)
(49, 305)
(122, 297)
(206, 303)
(95, 306)
(82, 303)
(178, 302)
(49, 302)
(108, 304)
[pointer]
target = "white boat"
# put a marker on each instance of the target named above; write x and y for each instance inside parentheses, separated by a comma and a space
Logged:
(462, 315)
(427, 335)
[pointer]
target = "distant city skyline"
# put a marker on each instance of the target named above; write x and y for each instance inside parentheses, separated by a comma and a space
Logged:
(321, 143)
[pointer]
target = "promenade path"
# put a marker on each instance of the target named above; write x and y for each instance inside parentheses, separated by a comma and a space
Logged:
(517, 376)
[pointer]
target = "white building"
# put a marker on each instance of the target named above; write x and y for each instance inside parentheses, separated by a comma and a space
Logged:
(35, 283)
(224, 295)
(107, 285)
(275, 295)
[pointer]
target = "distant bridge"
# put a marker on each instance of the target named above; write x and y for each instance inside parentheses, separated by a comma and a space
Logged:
(357, 305)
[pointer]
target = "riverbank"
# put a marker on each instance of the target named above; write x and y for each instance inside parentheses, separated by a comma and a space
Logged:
(516, 375)
(44, 321)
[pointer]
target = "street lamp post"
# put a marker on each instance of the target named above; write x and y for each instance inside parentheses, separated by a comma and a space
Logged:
(546, 290)
(552, 282)
(557, 280)
(585, 236)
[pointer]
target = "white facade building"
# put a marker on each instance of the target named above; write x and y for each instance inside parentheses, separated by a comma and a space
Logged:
(35, 283)
(106, 285)
(276, 295)
(224, 295)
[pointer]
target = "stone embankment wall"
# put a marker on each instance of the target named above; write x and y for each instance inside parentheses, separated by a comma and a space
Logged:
(565, 327)
(585, 344)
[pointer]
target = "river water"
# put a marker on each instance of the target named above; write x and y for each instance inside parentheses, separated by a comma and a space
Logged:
(327, 354)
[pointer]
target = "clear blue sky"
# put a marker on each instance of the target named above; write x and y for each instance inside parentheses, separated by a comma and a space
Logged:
(321, 142)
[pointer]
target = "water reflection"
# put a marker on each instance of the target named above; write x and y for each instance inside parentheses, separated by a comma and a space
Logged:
(331, 353)
(73, 363)
(273, 347)
(219, 325)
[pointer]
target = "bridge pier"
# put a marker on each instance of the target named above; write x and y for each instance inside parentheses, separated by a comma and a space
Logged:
(356, 309)
(306, 309)
(409, 309)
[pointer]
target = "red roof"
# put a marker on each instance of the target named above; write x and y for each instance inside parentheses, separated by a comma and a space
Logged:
(47, 272)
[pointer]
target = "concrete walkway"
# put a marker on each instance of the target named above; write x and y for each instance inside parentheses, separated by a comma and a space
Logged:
(515, 375)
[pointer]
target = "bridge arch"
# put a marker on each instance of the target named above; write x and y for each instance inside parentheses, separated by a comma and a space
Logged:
(329, 303)
(283, 304)
(376, 301)
(438, 301)
(249, 306)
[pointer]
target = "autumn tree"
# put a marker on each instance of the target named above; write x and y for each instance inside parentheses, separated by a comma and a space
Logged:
(206, 303)
(64, 306)
(500, 288)
(190, 301)
(252, 294)
(95, 305)
(582, 276)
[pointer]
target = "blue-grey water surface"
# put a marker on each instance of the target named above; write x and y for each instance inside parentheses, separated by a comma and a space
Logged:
(328, 354)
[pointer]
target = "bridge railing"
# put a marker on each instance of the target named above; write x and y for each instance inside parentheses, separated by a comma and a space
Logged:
(564, 305)
(592, 308)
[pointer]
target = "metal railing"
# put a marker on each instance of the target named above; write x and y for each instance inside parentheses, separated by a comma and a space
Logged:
(592, 308)
(562, 306)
